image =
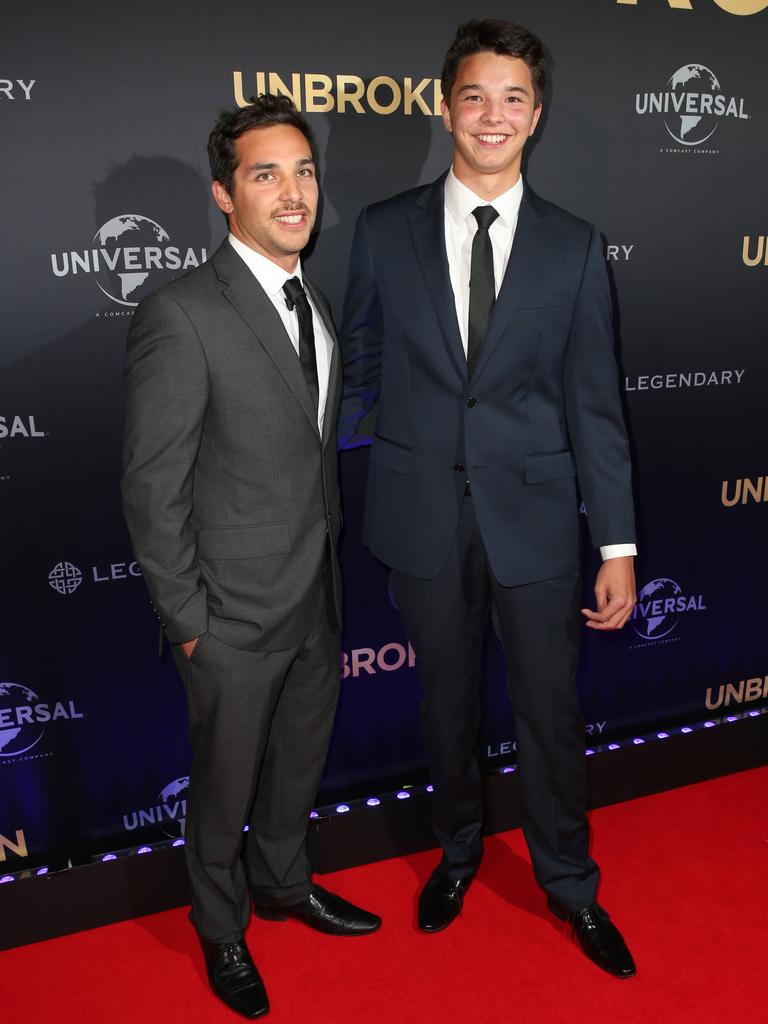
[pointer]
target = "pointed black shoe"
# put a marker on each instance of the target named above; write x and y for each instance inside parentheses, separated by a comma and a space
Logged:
(326, 912)
(598, 937)
(234, 978)
(440, 902)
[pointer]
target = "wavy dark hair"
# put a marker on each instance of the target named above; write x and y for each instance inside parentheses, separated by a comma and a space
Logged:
(262, 112)
(502, 37)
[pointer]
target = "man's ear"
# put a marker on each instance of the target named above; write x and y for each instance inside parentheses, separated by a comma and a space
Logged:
(221, 197)
(535, 121)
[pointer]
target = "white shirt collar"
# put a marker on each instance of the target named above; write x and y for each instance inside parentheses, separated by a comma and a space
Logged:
(461, 201)
(270, 276)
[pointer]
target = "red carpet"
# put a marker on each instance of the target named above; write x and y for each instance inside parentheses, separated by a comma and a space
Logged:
(684, 877)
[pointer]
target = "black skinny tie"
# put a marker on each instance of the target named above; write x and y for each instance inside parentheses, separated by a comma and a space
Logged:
(296, 296)
(482, 291)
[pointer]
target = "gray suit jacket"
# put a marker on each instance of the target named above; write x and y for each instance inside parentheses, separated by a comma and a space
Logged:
(229, 491)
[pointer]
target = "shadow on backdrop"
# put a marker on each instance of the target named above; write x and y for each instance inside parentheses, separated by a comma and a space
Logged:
(368, 157)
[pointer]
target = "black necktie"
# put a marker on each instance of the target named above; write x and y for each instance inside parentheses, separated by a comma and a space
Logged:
(482, 292)
(296, 296)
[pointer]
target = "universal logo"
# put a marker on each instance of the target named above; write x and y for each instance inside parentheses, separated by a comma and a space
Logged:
(759, 248)
(743, 692)
(24, 717)
(321, 94)
(729, 6)
(692, 107)
(16, 88)
(169, 811)
(741, 492)
(130, 257)
(65, 577)
(660, 604)
(19, 426)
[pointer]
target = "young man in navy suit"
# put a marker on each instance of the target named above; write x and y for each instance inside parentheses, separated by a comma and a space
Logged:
(479, 317)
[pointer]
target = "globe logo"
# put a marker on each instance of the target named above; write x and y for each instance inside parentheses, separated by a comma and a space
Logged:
(695, 123)
(16, 735)
(65, 578)
(129, 258)
(175, 793)
(692, 106)
(124, 276)
(655, 604)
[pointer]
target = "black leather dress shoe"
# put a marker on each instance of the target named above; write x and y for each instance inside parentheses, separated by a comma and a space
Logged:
(326, 912)
(440, 902)
(234, 978)
(598, 937)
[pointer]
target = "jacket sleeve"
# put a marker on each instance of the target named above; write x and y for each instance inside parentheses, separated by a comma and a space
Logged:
(361, 339)
(593, 408)
(166, 383)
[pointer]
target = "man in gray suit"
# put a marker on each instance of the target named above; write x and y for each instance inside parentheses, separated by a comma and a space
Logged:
(231, 498)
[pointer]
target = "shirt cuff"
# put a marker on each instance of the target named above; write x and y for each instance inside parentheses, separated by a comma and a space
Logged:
(617, 550)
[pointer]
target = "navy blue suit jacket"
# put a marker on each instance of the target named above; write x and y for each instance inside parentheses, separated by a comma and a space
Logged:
(539, 416)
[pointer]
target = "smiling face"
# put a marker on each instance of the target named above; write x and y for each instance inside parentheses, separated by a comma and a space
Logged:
(491, 114)
(272, 204)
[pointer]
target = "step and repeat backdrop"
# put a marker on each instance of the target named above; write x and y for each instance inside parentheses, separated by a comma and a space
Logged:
(655, 129)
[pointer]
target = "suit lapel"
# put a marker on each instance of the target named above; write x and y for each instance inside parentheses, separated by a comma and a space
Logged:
(334, 374)
(530, 253)
(253, 304)
(427, 224)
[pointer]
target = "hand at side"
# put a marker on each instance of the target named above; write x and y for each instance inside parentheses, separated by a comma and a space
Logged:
(614, 593)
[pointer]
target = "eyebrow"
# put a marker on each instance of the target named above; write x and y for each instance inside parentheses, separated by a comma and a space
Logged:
(481, 87)
(271, 166)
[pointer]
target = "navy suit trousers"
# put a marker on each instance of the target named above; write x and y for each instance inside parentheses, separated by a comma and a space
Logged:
(538, 623)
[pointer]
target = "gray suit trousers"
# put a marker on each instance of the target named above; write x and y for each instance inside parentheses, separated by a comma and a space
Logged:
(260, 725)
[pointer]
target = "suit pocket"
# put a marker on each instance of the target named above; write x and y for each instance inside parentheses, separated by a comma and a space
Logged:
(202, 641)
(224, 542)
(552, 466)
(390, 454)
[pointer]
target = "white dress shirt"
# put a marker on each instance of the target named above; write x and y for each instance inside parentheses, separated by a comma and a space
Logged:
(460, 228)
(271, 277)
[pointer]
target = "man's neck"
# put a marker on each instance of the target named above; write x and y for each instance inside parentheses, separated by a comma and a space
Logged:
(487, 186)
(286, 261)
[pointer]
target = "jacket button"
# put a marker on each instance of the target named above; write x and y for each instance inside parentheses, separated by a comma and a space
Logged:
(459, 467)
(471, 403)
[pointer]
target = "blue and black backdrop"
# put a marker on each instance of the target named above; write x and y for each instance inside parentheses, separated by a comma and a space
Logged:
(655, 129)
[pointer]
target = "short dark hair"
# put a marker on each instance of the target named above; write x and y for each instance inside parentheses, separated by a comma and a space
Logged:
(262, 112)
(502, 37)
